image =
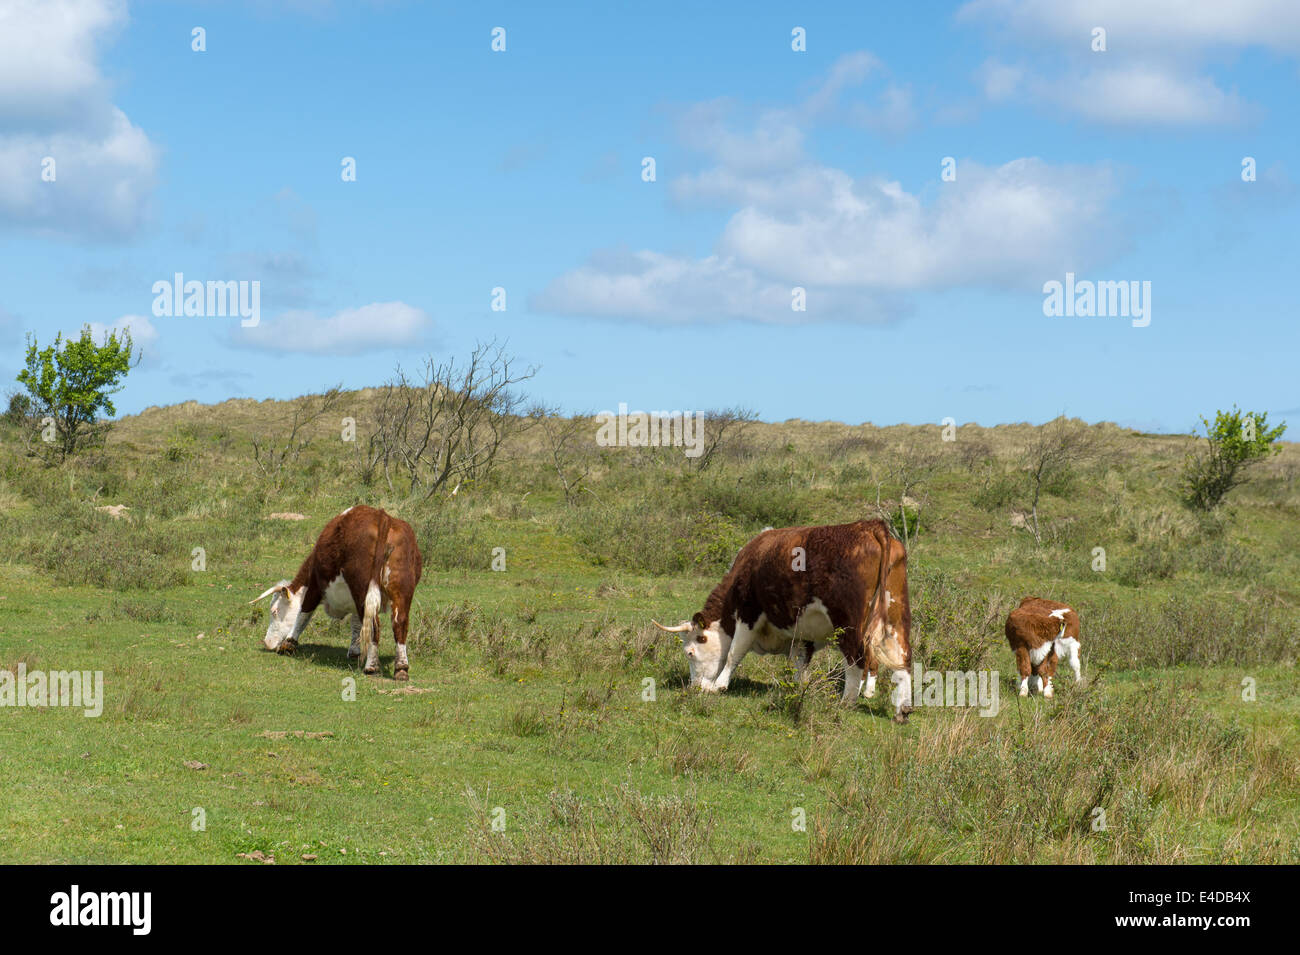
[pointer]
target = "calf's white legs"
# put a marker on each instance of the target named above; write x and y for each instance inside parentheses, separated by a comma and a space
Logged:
(1068, 650)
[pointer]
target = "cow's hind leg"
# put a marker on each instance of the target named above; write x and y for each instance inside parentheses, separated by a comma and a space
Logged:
(1067, 649)
(1024, 667)
(401, 607)
(1046, 671)
(370, 628)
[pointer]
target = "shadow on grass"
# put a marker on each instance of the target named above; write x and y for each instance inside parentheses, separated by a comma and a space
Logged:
(336, 657)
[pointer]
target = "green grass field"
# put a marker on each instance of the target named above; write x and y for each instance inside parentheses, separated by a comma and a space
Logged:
(526, 706)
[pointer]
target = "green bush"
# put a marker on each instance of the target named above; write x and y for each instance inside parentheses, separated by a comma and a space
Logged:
(647, 537)
(78, 546)
(997, 490)
(1234, 442)
(451, 539)
(19, 410)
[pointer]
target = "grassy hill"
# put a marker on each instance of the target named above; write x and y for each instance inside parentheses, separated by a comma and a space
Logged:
(528, 704)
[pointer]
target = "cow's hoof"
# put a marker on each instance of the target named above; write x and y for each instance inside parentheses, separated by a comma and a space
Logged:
(400, 675)
(354, 656)
(372, 670)
(287, 647)
(901, 716)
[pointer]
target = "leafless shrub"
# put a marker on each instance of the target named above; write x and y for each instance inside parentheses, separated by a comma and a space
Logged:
(909, 468)
(566, 450)
(852, 444)
(273, 454)
(723, 429)
(447, 427)
(973, 452)
(1050, 454)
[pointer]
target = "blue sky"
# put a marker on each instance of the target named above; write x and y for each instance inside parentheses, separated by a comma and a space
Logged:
(775, 169)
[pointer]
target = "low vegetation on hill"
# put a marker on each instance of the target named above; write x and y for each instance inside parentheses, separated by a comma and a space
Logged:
(541, 696)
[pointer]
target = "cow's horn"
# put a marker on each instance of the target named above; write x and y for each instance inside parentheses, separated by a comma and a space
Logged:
(680, 628)
(266, 593)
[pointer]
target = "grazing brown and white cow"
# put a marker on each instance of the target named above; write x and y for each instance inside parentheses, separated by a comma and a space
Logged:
(1039, 632)
(844, 584)
(364, 562)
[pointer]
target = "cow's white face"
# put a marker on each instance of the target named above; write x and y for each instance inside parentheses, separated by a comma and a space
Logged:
(285, 605)
(706, 651)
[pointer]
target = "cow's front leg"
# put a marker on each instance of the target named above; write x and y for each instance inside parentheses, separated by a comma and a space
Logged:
(855, 663)
(869, 686)
(354, 651)
(902, 695)
(740, 645)
(803, 654)
(290, 643)
(1046, 670)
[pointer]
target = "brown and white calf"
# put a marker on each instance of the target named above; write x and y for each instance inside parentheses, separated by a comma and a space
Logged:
(844, 584)
(1039, 631)
(364, 562)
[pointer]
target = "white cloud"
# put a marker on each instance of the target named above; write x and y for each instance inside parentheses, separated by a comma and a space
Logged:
(55, 103)
(1000, 80)
(993, 226)
(1171, 25)
(654, 287)
(776, 139)
(348, 332)
(859, 246)
(144, 336)
(850, 70)
(1154, 69)
(1147, 93)
(856, 245)
(892, 115)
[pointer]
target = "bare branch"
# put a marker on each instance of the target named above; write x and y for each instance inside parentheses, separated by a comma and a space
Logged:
(449, 425)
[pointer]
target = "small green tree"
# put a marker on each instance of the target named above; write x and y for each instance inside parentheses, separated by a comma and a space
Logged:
(19, 410)
(70, 382)
(1233, 443)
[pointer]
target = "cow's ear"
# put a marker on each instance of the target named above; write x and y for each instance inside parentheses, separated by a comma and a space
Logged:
(698, 620)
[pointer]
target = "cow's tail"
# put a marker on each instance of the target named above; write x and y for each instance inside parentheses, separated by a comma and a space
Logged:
(374, 595)
(887, 650)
